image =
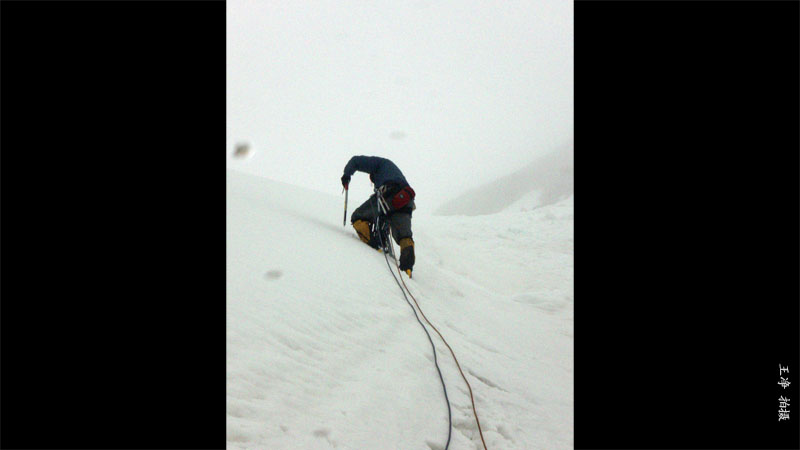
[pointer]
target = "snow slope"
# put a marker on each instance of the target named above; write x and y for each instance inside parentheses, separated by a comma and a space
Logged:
(324, 352)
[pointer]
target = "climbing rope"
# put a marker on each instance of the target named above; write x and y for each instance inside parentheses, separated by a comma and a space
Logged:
(435, 359)
(384, 208)
(474, 411)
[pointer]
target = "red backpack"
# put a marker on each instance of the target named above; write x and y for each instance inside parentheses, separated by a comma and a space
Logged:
(402, 198)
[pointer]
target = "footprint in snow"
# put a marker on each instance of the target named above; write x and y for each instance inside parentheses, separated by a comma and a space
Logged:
(545, 305)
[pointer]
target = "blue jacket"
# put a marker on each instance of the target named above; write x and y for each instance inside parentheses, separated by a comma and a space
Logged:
(381, 170)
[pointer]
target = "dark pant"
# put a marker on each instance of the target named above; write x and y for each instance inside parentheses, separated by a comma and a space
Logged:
(400, 221)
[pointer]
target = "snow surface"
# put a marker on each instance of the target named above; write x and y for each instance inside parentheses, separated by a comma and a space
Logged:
(324, 352)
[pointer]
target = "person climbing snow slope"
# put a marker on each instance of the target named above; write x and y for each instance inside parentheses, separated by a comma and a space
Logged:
(399, 196)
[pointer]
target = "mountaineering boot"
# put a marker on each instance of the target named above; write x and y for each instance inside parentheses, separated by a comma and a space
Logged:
(366, 234)
(362, 228)
(406, 255)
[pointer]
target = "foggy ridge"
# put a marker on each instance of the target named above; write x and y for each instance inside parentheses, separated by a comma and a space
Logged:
(551, 177)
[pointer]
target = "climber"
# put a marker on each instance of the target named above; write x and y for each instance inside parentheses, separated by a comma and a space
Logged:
(399, 197)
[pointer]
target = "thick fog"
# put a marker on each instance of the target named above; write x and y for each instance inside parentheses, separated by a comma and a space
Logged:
(458, 93)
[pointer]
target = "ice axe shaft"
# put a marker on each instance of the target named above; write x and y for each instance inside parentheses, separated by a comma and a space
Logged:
(344, 219)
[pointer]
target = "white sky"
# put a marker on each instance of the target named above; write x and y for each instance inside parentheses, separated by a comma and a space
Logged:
(456, 92)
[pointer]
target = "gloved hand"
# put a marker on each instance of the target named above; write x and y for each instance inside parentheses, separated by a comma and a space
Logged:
(345, 180)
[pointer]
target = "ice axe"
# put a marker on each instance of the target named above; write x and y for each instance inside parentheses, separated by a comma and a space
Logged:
(344, 219)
